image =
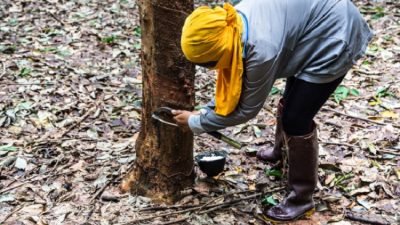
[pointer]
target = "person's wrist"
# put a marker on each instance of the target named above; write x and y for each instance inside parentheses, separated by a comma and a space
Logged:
(194, 124)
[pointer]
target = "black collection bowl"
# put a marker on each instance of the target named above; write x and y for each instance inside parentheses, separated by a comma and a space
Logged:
(211, 167)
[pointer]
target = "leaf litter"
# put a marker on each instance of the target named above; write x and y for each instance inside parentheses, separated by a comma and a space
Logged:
(70, 101)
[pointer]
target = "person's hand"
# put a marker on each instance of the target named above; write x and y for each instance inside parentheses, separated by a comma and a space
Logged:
(181, 118)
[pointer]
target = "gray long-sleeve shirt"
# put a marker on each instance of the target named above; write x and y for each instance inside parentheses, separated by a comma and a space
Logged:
(314, 40)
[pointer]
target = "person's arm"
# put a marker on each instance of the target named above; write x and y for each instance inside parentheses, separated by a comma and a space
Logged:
(257, 83)
(194, 120)
(211, 104)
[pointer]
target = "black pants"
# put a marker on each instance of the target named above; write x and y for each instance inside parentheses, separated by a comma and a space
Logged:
(302, 101)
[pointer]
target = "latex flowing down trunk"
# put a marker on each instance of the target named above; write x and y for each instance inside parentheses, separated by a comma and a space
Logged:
(164, 164)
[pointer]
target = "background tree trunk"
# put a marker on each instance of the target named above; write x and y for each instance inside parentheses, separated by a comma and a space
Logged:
(164, 164)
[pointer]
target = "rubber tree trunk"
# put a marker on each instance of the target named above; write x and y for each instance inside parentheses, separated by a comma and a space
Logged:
(164, 164)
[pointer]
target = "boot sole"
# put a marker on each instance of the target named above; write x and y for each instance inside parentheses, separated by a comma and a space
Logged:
(306, 215)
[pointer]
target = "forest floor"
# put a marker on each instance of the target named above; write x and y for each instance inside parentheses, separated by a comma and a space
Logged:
(70, 98)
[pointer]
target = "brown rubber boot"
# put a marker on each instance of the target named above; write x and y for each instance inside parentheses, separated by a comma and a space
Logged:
(274, 154)
(302, 178)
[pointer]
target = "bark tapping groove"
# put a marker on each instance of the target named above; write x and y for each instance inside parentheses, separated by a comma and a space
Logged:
(164, 164)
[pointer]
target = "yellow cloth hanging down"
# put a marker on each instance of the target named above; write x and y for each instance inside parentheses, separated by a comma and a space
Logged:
(210, 35)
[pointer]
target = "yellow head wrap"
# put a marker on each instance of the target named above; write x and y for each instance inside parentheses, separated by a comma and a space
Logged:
(215, 35)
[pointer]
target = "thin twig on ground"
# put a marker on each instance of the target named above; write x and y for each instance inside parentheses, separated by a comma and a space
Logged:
(99, 192)
(209, 202)
(359, 118)
(11, 213)
(367, 72)
(174, 221)
(262, 219)
(190, 206)
(334, 124)
(215, 206)
(4, 70)
(223, 196)
(195, 208)
(151, 208)
(27, 84)
(337, 143)
(80, 120)
(55, 18)
(358, 147)
(45, 137)
(389, 151)
(365, 219)
(33, 179)
(90, 213)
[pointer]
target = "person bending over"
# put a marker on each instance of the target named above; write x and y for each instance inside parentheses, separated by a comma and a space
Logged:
(311, 43)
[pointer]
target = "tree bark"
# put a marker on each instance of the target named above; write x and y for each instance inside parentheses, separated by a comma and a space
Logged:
(164, 164)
